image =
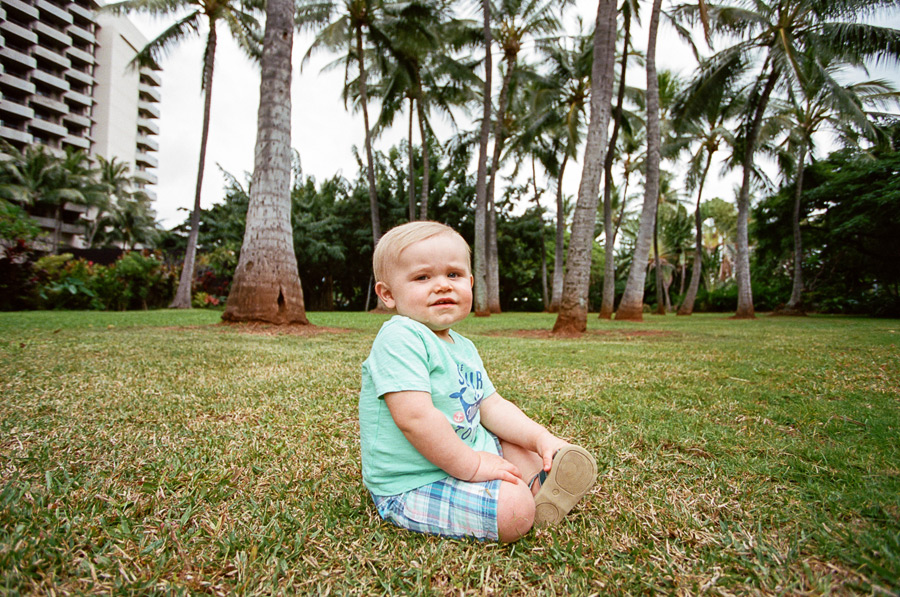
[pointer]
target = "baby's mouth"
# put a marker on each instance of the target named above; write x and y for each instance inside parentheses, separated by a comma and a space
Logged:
(446, 301)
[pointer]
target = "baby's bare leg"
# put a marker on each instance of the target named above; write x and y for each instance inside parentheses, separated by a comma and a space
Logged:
(515, 511)
(529, 463)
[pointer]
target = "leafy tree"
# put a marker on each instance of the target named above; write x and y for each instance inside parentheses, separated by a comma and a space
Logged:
(851, 203)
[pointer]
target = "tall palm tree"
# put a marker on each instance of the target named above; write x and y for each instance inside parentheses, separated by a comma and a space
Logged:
(517, 22)
(481, 295)
(352, 27)
(708, 131)
(771, 36)
(560, 101)
(266, 286)
(629, 11)
(572, 317)
(632, 304)
(816, 100)
(419, 68)
(240, 18)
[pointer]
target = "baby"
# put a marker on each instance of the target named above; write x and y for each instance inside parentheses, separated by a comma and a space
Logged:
(442, 451)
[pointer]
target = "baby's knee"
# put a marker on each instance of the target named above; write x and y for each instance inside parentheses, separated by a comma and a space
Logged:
(515, 511)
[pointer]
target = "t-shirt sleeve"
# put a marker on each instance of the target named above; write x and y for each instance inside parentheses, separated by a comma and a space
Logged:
(399, 361)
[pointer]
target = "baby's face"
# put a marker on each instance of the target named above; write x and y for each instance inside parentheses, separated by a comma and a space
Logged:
(430, 282)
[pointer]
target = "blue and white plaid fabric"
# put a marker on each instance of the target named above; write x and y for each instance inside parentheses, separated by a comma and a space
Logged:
(449, 508)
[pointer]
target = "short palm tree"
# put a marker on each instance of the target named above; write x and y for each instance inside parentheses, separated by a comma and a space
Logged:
(240, 18)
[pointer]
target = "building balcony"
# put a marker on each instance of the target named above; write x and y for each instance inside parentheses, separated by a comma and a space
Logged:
(78, 120)
(38, 125)
(145, 177)
(150, 77)
(147, 125)
(10, 30)
(83, 34)
(148, 108)
(51, 56)
(64, 227)
(77, 141)
(14, 56)
(15, 136)
(52, 81)
(49, 104)
(51, 36)
(148, 143)
(13, 82)
(80, 77)
(52, 12)
(149, 93)
(80, 56)
(78, 11)
(145, 159)
(23, 11)
(10, 110)
(73, 97)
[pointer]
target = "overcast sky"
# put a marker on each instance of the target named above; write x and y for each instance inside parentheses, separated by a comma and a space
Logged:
(323, 131)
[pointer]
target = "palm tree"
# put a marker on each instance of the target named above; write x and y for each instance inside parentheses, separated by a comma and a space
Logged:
(779, 32)
(116, 183)
(628, 10)
(266, 286)
(632, 304)
(709, 130)
(572, 317)
(36, 176)
(239, 17)
(354, 24)
(816, 100)
(516, 22)
(419, 68)
(481, 296)
(559, 108)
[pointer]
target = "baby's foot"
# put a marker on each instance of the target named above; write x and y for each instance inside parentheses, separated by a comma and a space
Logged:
(572, 474)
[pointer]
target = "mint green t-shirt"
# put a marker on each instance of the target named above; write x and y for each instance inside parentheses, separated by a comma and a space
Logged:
(407, 356)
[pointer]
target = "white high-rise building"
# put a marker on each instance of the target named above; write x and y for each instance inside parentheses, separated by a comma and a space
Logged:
(65, 82)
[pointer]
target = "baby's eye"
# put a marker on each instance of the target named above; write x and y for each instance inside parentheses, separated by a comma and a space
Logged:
(422, 277)
(452, 275)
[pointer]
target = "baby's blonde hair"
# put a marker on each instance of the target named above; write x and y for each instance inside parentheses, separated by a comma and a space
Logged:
(398, 238)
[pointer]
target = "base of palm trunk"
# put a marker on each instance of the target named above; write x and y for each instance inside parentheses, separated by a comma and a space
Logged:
(746, 314)
(266, 304)
(570, 324)
(630, 313)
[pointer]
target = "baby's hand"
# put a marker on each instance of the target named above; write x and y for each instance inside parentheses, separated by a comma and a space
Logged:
(491, 466)
(547, 446)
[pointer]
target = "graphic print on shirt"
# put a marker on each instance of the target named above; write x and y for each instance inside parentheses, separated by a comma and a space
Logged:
(470, 396)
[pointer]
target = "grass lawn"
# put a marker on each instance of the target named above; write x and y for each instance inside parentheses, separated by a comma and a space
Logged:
(155, 452)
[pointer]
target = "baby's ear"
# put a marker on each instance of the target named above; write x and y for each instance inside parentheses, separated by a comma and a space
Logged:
(385, 294)
(471, 280)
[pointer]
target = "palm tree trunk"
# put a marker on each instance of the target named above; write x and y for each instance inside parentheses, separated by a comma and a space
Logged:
(411, 168)
(266, 286)
(481, 294)
(572, 318)
(182, 298)
(797, 290)
(537, 201)
(632, 305)
(559, 270)
(742, 238)
(493, 271)
(370, 161)
(426, 164)
(660, 305)
(687, 306)
(609, 269)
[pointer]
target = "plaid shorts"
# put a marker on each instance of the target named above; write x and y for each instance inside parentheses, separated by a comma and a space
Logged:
(449, 508)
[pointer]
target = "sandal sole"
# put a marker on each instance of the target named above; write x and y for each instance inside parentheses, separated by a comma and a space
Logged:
(573, 473)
